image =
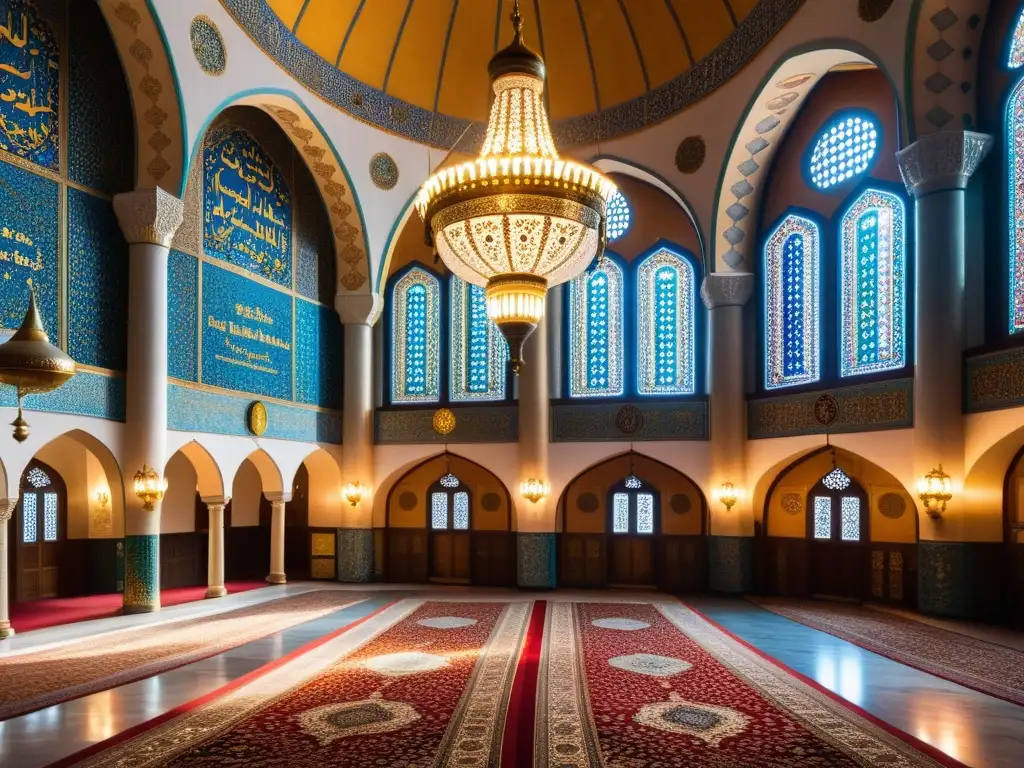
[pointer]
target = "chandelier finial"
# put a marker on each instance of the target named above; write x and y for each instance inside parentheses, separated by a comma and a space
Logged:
(517, 22)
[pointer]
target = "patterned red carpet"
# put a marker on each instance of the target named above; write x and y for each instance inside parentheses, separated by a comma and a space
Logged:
(76, 669)
(986, 667)
(488, 684)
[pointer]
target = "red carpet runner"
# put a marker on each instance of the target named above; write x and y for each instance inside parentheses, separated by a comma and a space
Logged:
(82, 667)
(986, 667)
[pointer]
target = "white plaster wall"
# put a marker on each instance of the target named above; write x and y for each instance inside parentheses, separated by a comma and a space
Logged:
(245, 496)
(178, 511)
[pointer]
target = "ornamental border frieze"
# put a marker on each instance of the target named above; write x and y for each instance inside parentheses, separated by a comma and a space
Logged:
(862, 408)
(994, 381)
(598, 422)
(476, 424)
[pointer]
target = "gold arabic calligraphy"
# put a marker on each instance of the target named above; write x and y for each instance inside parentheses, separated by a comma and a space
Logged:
(29, 72)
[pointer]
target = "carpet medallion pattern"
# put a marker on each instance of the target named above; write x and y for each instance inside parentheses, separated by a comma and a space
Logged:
(405, 690)
(986, 667)
(83, 667)
(689, 695)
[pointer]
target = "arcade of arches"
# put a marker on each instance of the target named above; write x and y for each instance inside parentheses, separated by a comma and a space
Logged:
(776, 427)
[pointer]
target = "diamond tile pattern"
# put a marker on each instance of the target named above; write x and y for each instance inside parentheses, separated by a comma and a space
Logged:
(734, 235)
(741, 188)
(747, 167)
(756, 145)
(768, 124)
(939, 50)
(944, 19)
(937, 83)
(737, 211)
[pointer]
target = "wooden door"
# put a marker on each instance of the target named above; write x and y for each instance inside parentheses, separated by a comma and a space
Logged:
(39, 529)
(633, 526)
(449, 557)
(450, 546)
(632, 561)
(837, 528)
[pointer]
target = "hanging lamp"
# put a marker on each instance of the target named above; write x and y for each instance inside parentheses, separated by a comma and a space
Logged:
(518, 219)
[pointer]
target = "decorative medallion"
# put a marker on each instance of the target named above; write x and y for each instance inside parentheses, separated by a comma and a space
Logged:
(491, 502)
(873, 10)
(706, 722)
(446, 622)
(257, 418)
(407, 501)
(650, 664)
(384, 171)
(892, 505)
(826, 410)
(690, 154)
(680, 503)
(356, 718)
(629, 420)
(794, 81)
(626, 625)
(587, 502)
(444, 421)
(208, 45)
(405, 663)
(792, 503)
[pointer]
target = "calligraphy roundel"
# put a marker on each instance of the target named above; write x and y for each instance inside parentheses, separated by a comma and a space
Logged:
(826, 410)
(208, 45)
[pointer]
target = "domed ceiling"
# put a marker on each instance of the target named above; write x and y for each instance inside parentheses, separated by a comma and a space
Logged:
(419, 67)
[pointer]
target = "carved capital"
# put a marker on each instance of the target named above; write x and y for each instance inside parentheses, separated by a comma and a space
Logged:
(359, 308)
(727, 289)
(278, 497)
(942, 161)
(7, 509)
(215, 500)
(149, 216)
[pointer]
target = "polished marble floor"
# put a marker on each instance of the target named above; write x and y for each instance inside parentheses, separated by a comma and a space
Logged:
(971, 727)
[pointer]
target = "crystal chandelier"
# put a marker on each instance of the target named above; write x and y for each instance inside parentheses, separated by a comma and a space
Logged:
(518, 219)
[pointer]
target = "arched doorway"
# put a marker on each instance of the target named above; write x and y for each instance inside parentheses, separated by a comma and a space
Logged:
(40, 525)
(449, 521)
(837, 525)
(633, 521)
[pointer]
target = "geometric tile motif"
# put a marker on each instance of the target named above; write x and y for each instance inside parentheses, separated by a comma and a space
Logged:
(747, 167)
(733, 258)
(741, 188)
(937, 82)
(737, 211)
(208, 45)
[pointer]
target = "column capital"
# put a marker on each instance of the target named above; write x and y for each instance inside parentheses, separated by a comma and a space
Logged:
(727, 289)
(215, 500)
(359, 308)
(149, 215)
(278, 497)
(7, 509)
(944, 160)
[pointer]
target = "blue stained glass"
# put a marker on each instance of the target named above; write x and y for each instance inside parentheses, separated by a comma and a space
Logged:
(479, 331)
(665, 321)
(845, 148)
(29, 521)
(478, 350)
(416, 341)
(793, 310)
(597, 327)
(791, 303)
(1015, 174)
(416, 330)
(595, 345)
(618, 216)
(1016, 58)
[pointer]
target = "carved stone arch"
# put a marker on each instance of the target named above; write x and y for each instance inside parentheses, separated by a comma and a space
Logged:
(329, 173)
(769, 115)
(160, 151)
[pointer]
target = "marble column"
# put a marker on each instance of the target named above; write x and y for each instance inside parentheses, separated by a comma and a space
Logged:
(215, 559)
(730, 559)
(535, 522)
(359, 314)
(277, 502)
(148, 219)
(936, 170)
(6, 511)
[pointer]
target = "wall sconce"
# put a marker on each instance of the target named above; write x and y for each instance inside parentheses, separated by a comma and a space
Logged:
(353, 492)
(935, 490)
(534, 490)
(149, 487)
(102, 499)
(727, 495)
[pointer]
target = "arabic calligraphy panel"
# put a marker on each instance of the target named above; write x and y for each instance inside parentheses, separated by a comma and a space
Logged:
(247, 209)
(29, 84)
(246, 334)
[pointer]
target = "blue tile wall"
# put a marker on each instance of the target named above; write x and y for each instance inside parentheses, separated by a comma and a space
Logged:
(196, 410)
(307, 246)
(29, 221)
(535, 560)
(318, 355)
(97, 283)
(87, 394)
(730, 563)
(355, 554)
(246, 333)
(141, 573)
(101, 138)
(183, 316)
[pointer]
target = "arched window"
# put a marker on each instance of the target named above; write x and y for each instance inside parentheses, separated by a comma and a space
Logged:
(837, 509)
(595, 331)
(449, 505)
(478, 350)
(1015, 59)
(415, 338)
(873, 284)
(791, 265)
(845, 148)
(618, 217)
(633, 507)
(1015, 166)
(665, 325)
(40, 506)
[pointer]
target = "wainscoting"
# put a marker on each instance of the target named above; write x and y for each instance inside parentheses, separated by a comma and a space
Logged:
(680, 562)
(407, 559)
(183, 559)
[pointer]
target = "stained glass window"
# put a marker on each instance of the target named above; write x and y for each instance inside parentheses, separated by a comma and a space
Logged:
(415, 338)
(620, 513)
(845, 148)
(461, 521)
(872, 247)
(595, 331)
(665, 325)
(836, 480)
(439, 511)
(644, 513)
(478, 350)
(618, 217)
(1015, 147)
(791, 256)
(1016, 57)
(849, 520)
(29, 522)
(37, 478)
(49, 517)
(822, 517)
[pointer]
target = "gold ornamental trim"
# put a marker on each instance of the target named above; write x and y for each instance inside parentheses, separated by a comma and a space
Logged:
(256, 418)
(515, 204)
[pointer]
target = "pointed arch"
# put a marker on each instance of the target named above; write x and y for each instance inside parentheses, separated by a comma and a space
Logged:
(413, 333)
(270, 474)
(596, 329)
(209, 477)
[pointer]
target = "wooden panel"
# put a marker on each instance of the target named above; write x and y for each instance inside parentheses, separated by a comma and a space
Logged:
(406, 555)
(1016, 568)
(247, 552)
(183, 559)
(682, 564)
(582, 560)
(322, 553)
(493, 558)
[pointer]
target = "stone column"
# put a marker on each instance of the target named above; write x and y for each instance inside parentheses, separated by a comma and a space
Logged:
(359, 313)
(148, 219)
(6, 511)
(277, 502)
(936, 170)
(535, 522)
(731, 550)
(215, 559)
